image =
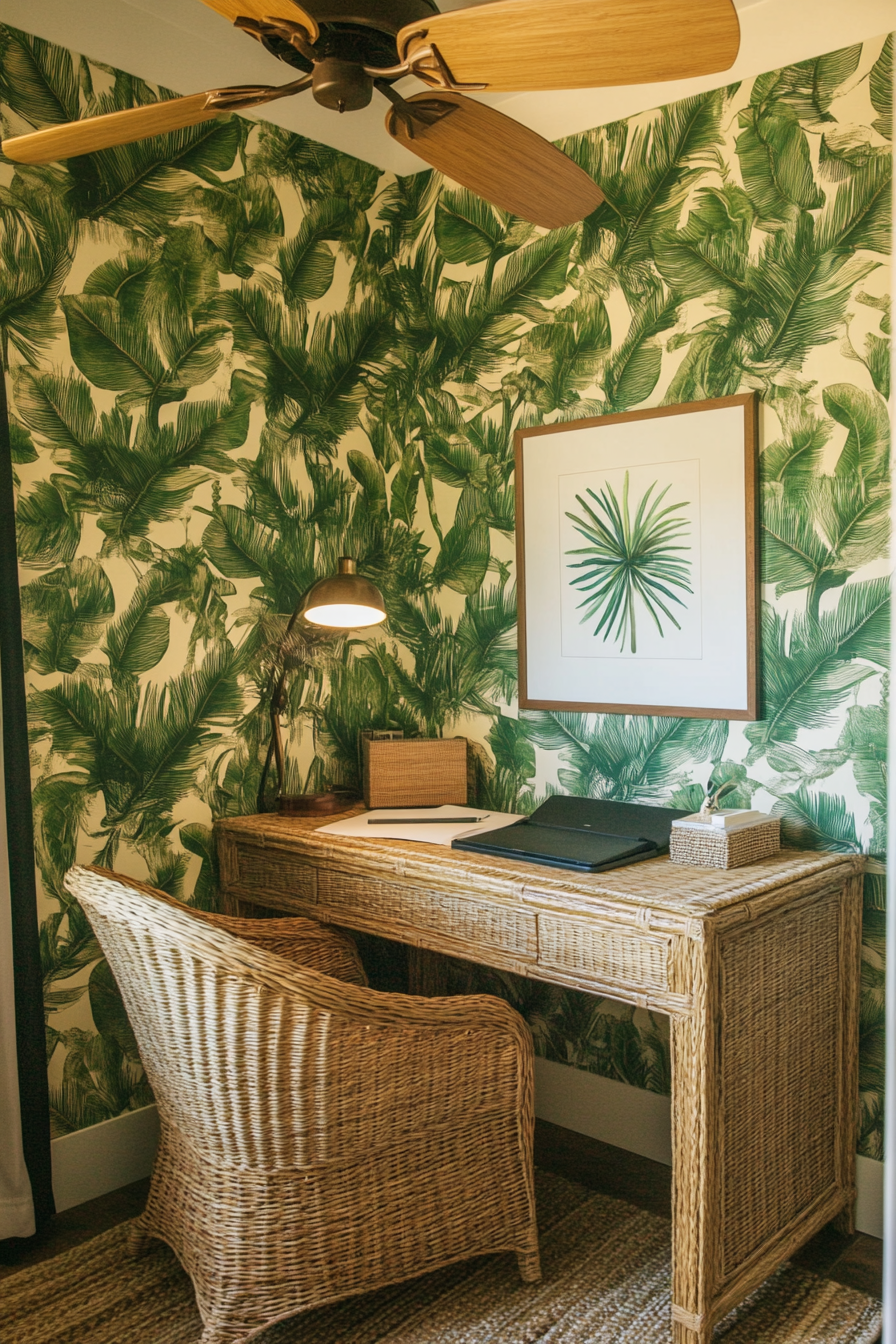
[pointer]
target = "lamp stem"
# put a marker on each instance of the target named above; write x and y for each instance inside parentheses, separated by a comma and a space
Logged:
(275, 704)
(277, 734)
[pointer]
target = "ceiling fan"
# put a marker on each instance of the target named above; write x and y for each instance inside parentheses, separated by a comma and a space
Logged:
(343, 50)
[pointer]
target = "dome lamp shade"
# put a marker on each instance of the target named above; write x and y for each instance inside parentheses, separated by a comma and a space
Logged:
(345, 600)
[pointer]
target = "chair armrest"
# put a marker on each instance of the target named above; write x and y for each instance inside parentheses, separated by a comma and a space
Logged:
(304, 942)
(469, 1068)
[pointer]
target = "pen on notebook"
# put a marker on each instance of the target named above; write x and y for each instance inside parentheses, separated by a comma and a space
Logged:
(420, 821)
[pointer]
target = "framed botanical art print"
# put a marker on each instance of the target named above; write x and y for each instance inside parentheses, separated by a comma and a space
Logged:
(637, 556)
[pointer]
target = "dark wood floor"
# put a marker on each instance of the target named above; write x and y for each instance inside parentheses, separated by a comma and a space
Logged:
(856, 1261)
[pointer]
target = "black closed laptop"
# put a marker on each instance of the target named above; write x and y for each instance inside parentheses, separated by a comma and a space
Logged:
(584, 833)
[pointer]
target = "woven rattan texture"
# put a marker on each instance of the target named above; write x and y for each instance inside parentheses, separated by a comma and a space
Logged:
(654, 884)
(361, 1137)
(415, 772)
(725, 849)
(486, 922)
(266, 873)
(590, 949)
(777, 1103)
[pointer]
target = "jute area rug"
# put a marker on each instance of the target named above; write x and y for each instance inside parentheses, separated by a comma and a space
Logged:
(606, 1281)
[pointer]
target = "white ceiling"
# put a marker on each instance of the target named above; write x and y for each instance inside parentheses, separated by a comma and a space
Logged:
(187, 47)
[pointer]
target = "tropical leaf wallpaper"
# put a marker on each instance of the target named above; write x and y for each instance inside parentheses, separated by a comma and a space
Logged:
(235, 354)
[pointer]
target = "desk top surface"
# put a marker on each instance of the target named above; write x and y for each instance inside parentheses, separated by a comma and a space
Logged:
(655, 883)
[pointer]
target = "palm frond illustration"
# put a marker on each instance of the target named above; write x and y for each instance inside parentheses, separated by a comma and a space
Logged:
(630, 558)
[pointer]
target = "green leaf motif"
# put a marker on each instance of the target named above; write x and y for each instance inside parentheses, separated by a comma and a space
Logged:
(817, 821)
(405, 486)
(566, 354)
(467, 228)
(633, 369)
(463, 558)
(306, 263)
(794, 458)
(238, 545)
(37, 80)
(371, 478)
(809, 668)
(881, 90)
(138, 640)
(807, 88)
(645, 172)
(48, 526)
(797, 295)
(109, 352)
(535, 272)
(36, 254)
(627, 759)
(63, 614)
(776, 167)
(865, 454)
(243, 221)
(859, 215)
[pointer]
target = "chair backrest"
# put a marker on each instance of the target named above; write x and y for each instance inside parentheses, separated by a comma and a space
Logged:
(228, 1032)
(305, 942)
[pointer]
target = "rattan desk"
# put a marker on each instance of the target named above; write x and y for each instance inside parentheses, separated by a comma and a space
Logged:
(758, 969)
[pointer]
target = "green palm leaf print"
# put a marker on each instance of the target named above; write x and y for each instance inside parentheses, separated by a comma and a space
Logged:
(630, 560)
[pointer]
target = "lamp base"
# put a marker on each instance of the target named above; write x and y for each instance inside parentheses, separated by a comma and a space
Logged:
(315, 804)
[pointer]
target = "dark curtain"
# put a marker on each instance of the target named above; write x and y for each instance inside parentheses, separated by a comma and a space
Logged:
(30, 1038)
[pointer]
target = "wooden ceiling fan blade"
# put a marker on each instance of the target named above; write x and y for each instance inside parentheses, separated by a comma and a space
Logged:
(115, 128)
(497, 158)
(265, 9)
(579, 44)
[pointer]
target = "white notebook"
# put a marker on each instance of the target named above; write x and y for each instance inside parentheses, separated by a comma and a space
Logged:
(471, 821)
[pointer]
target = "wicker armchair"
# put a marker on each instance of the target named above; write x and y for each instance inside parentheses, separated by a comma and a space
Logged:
(318, 1139)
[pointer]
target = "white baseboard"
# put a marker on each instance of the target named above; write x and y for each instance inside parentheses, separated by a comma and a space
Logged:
(641, 1122)
(870, 1196)
(627, 1117)
(103, 1157)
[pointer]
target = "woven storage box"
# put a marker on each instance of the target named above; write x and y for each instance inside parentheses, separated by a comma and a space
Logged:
(713, 847)
(415, 772)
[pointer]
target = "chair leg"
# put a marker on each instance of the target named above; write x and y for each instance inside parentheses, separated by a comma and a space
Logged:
(529, 1266)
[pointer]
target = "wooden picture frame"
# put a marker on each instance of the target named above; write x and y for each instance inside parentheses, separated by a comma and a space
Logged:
(612, 484)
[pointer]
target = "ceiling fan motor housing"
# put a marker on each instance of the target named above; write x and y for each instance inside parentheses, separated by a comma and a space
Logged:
(353, 33)
(341, 85)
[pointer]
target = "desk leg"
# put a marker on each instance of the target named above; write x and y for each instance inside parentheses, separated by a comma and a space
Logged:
(693, 1101)
(764, 1077)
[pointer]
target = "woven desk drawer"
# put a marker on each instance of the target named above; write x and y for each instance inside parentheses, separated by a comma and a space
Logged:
(586, 949)
(276, 876)
(463, 919)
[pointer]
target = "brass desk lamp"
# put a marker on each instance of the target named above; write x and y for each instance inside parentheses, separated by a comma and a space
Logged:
(345, 601)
